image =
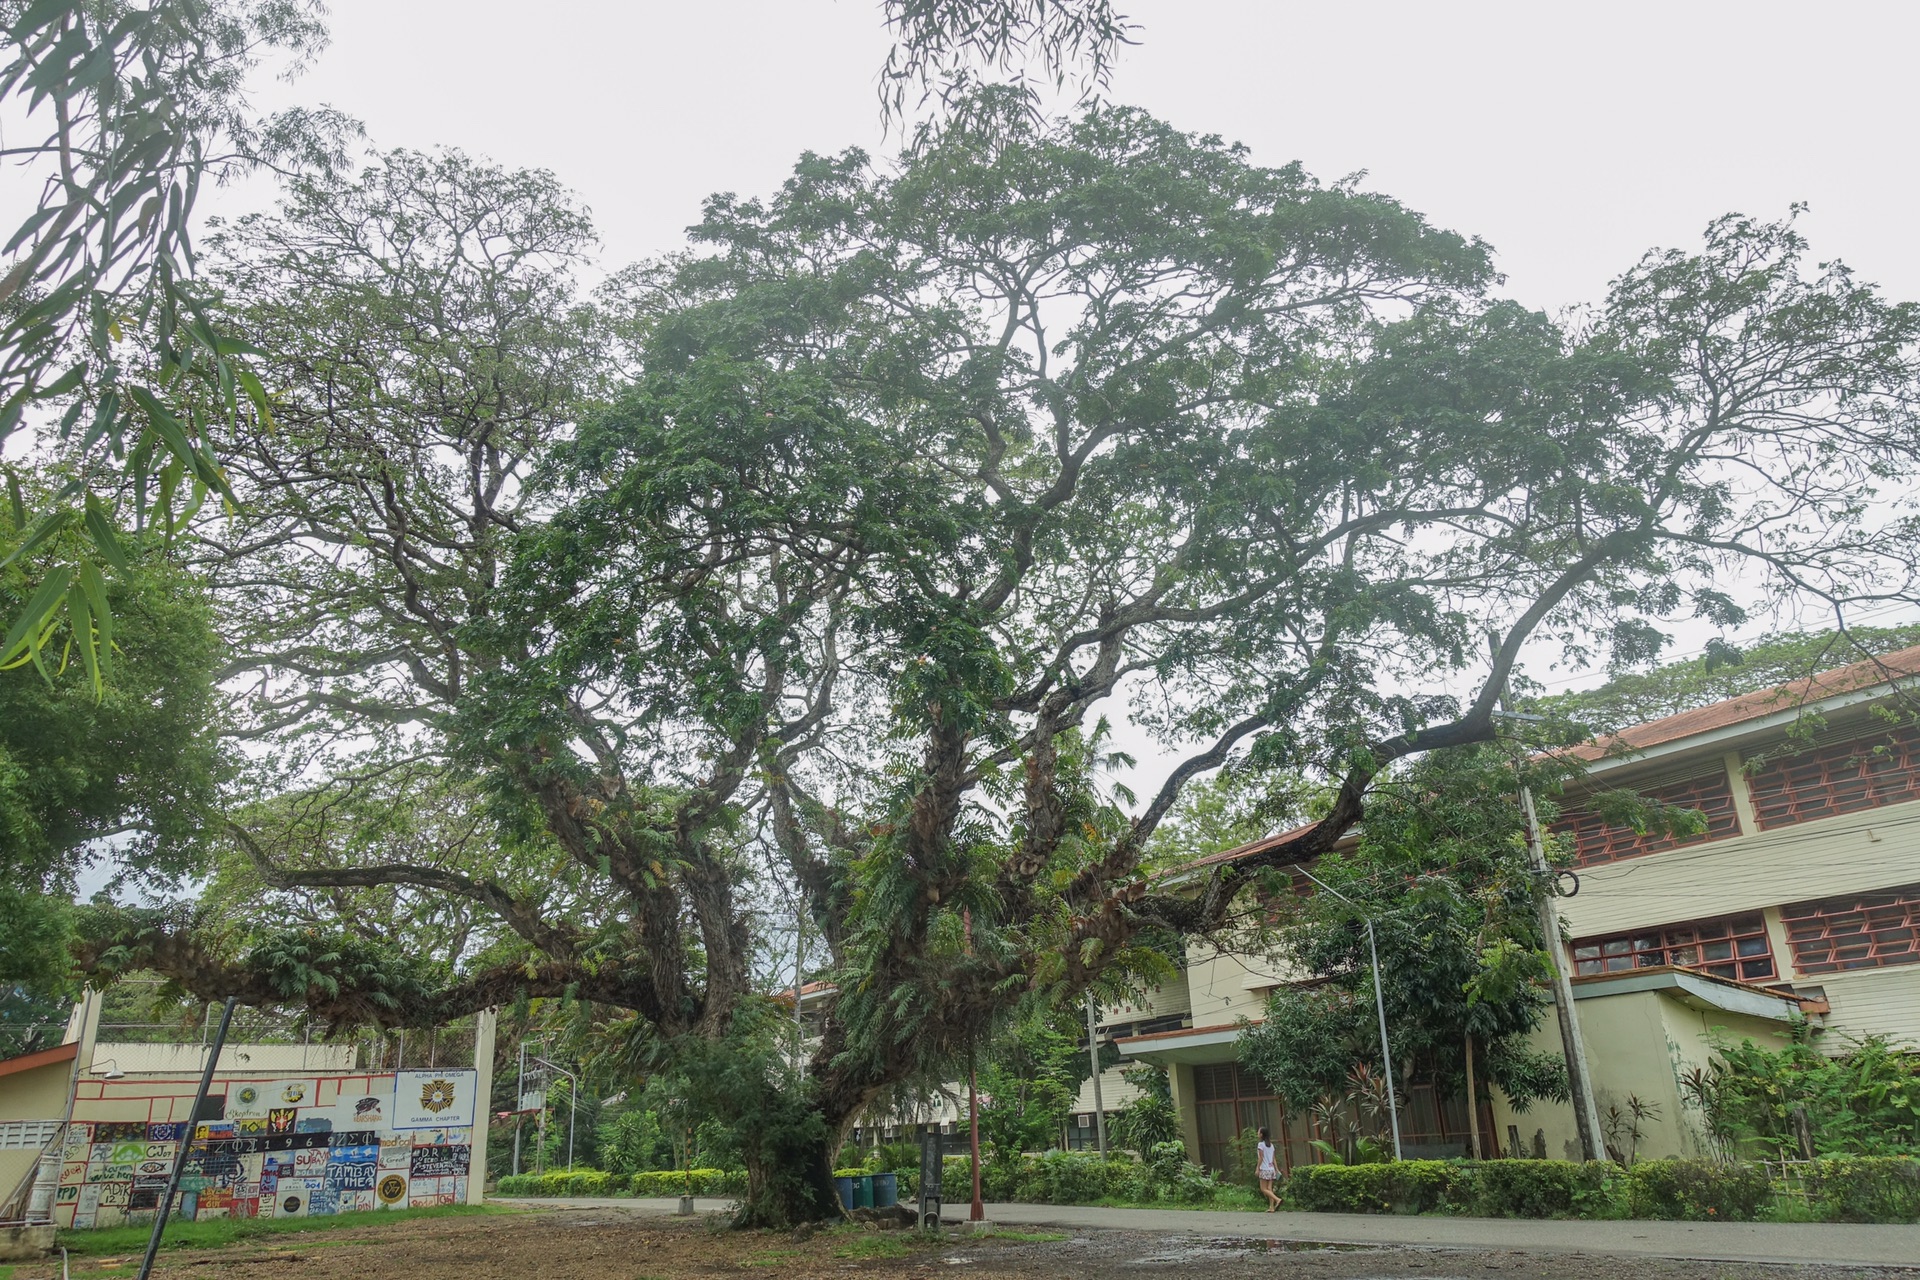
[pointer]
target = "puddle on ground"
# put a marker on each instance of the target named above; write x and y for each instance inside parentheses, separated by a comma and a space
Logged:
(1183, 1249)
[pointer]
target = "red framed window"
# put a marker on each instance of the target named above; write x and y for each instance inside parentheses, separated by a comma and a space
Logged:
(1732, 947)
(1841, 777)
(1858, 931)
(1596, 841)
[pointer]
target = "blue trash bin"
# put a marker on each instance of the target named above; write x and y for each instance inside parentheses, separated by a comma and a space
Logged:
(886, 1190)
(863, 1192)
(844, 1188)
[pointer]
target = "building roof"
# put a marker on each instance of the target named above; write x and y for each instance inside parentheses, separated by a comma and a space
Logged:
(40, 1058)
(1852, 678)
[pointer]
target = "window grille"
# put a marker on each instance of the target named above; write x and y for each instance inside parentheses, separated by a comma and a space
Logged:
(27, 1135)
(1840, 777)
(1734, 947)
(1858, 931)
(1596, 841)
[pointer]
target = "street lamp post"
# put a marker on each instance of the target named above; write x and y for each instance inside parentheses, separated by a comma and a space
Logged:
(1093, 1062)
(573, 1101)
(1379, 1004)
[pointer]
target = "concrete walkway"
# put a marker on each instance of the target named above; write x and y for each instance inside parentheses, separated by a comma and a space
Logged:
(1811, 1242)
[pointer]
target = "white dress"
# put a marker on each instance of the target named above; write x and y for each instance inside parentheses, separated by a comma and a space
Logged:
(1267, 1168)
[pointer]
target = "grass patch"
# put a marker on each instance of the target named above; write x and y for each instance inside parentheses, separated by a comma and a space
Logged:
(771, 1257)
(218, 1233)
(1024, 1237)
(869, 1247)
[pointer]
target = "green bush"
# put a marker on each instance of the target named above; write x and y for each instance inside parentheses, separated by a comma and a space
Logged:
(680, 1182)
(579, 1182)
(1541, 1189)
(1867, 1189)
(1075, 1177)
(1697, 1190)
(1407, 1186)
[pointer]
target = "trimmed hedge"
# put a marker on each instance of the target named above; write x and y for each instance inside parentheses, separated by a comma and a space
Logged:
(1698, 1190)
(1859, 1189)
(659, 1182)
(1865, 1189)
(1489, 1189)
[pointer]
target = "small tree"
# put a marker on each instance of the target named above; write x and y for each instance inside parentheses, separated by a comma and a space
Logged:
(1442, 870)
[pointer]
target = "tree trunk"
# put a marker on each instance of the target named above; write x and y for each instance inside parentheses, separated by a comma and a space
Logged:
(1473, 1104)
(790, 1179)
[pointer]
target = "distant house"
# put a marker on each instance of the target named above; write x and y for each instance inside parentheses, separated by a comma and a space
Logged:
(1801, 899)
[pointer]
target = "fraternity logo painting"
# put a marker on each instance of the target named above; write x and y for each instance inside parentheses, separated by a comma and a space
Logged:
(432, 1099)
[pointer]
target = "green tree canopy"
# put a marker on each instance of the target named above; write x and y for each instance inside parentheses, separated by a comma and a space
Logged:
(130, 773)
(910, 473)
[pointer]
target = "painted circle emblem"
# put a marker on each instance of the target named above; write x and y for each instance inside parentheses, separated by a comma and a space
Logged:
(290, 1205)
(248, 1095)
(293, 1093)
(392, 1189)
(436, 1096)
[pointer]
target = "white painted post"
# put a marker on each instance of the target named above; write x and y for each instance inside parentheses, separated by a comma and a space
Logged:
(483, 1032)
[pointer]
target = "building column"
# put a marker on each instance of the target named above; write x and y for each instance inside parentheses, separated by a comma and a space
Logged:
(1180, 1082)
(483, 1032)
(1743, 810)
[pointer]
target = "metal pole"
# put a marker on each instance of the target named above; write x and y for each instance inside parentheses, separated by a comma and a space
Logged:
(1586, 1112)
(799, 972)
(519, 1105)
(1386, 1052)
(1093, 1061)
(186, 1143)
(978, 1213)
(573, 1102)
(1379, 1005)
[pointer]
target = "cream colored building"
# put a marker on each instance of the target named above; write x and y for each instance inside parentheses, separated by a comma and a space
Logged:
(1800, 900)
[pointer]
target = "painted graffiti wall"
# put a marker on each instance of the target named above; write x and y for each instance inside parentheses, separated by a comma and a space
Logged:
(281, 1146)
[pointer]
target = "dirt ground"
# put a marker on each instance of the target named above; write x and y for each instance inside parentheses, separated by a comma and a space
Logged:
(612, 1245)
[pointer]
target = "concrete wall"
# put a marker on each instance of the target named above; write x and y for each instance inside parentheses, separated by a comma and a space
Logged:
(1225, 986)
(38, 1093)
(290, 1058)
(281, 1145)
(1640, 1044)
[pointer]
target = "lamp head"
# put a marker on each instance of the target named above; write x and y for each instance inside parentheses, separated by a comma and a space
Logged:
(108, 1070)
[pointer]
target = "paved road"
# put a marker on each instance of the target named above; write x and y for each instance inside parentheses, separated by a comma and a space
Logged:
(1812, 1242)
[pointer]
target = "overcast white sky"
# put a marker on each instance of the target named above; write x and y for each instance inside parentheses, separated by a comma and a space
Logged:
(1572, 137)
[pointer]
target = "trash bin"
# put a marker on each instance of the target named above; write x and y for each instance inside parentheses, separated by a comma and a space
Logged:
(886, 1190)
(844, 1188)
(863, 1192)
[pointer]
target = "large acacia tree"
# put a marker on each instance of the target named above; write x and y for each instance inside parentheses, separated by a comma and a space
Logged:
(915, 473)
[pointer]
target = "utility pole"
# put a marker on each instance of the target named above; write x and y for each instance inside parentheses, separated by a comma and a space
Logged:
(1586, 1112)
(1379, 1005)
(799, 973)
(186, 1139)
(1093, 1061)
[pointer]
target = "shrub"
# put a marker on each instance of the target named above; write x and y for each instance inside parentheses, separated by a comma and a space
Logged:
(1867, 1189)
(676, 1182)
(1697, 1190)
(1540, 1189)
(1075, 1177)
(1407, 1186)
(578, 1182)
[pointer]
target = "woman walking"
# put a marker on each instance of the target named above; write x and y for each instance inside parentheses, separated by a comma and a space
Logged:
(1267, 1169)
